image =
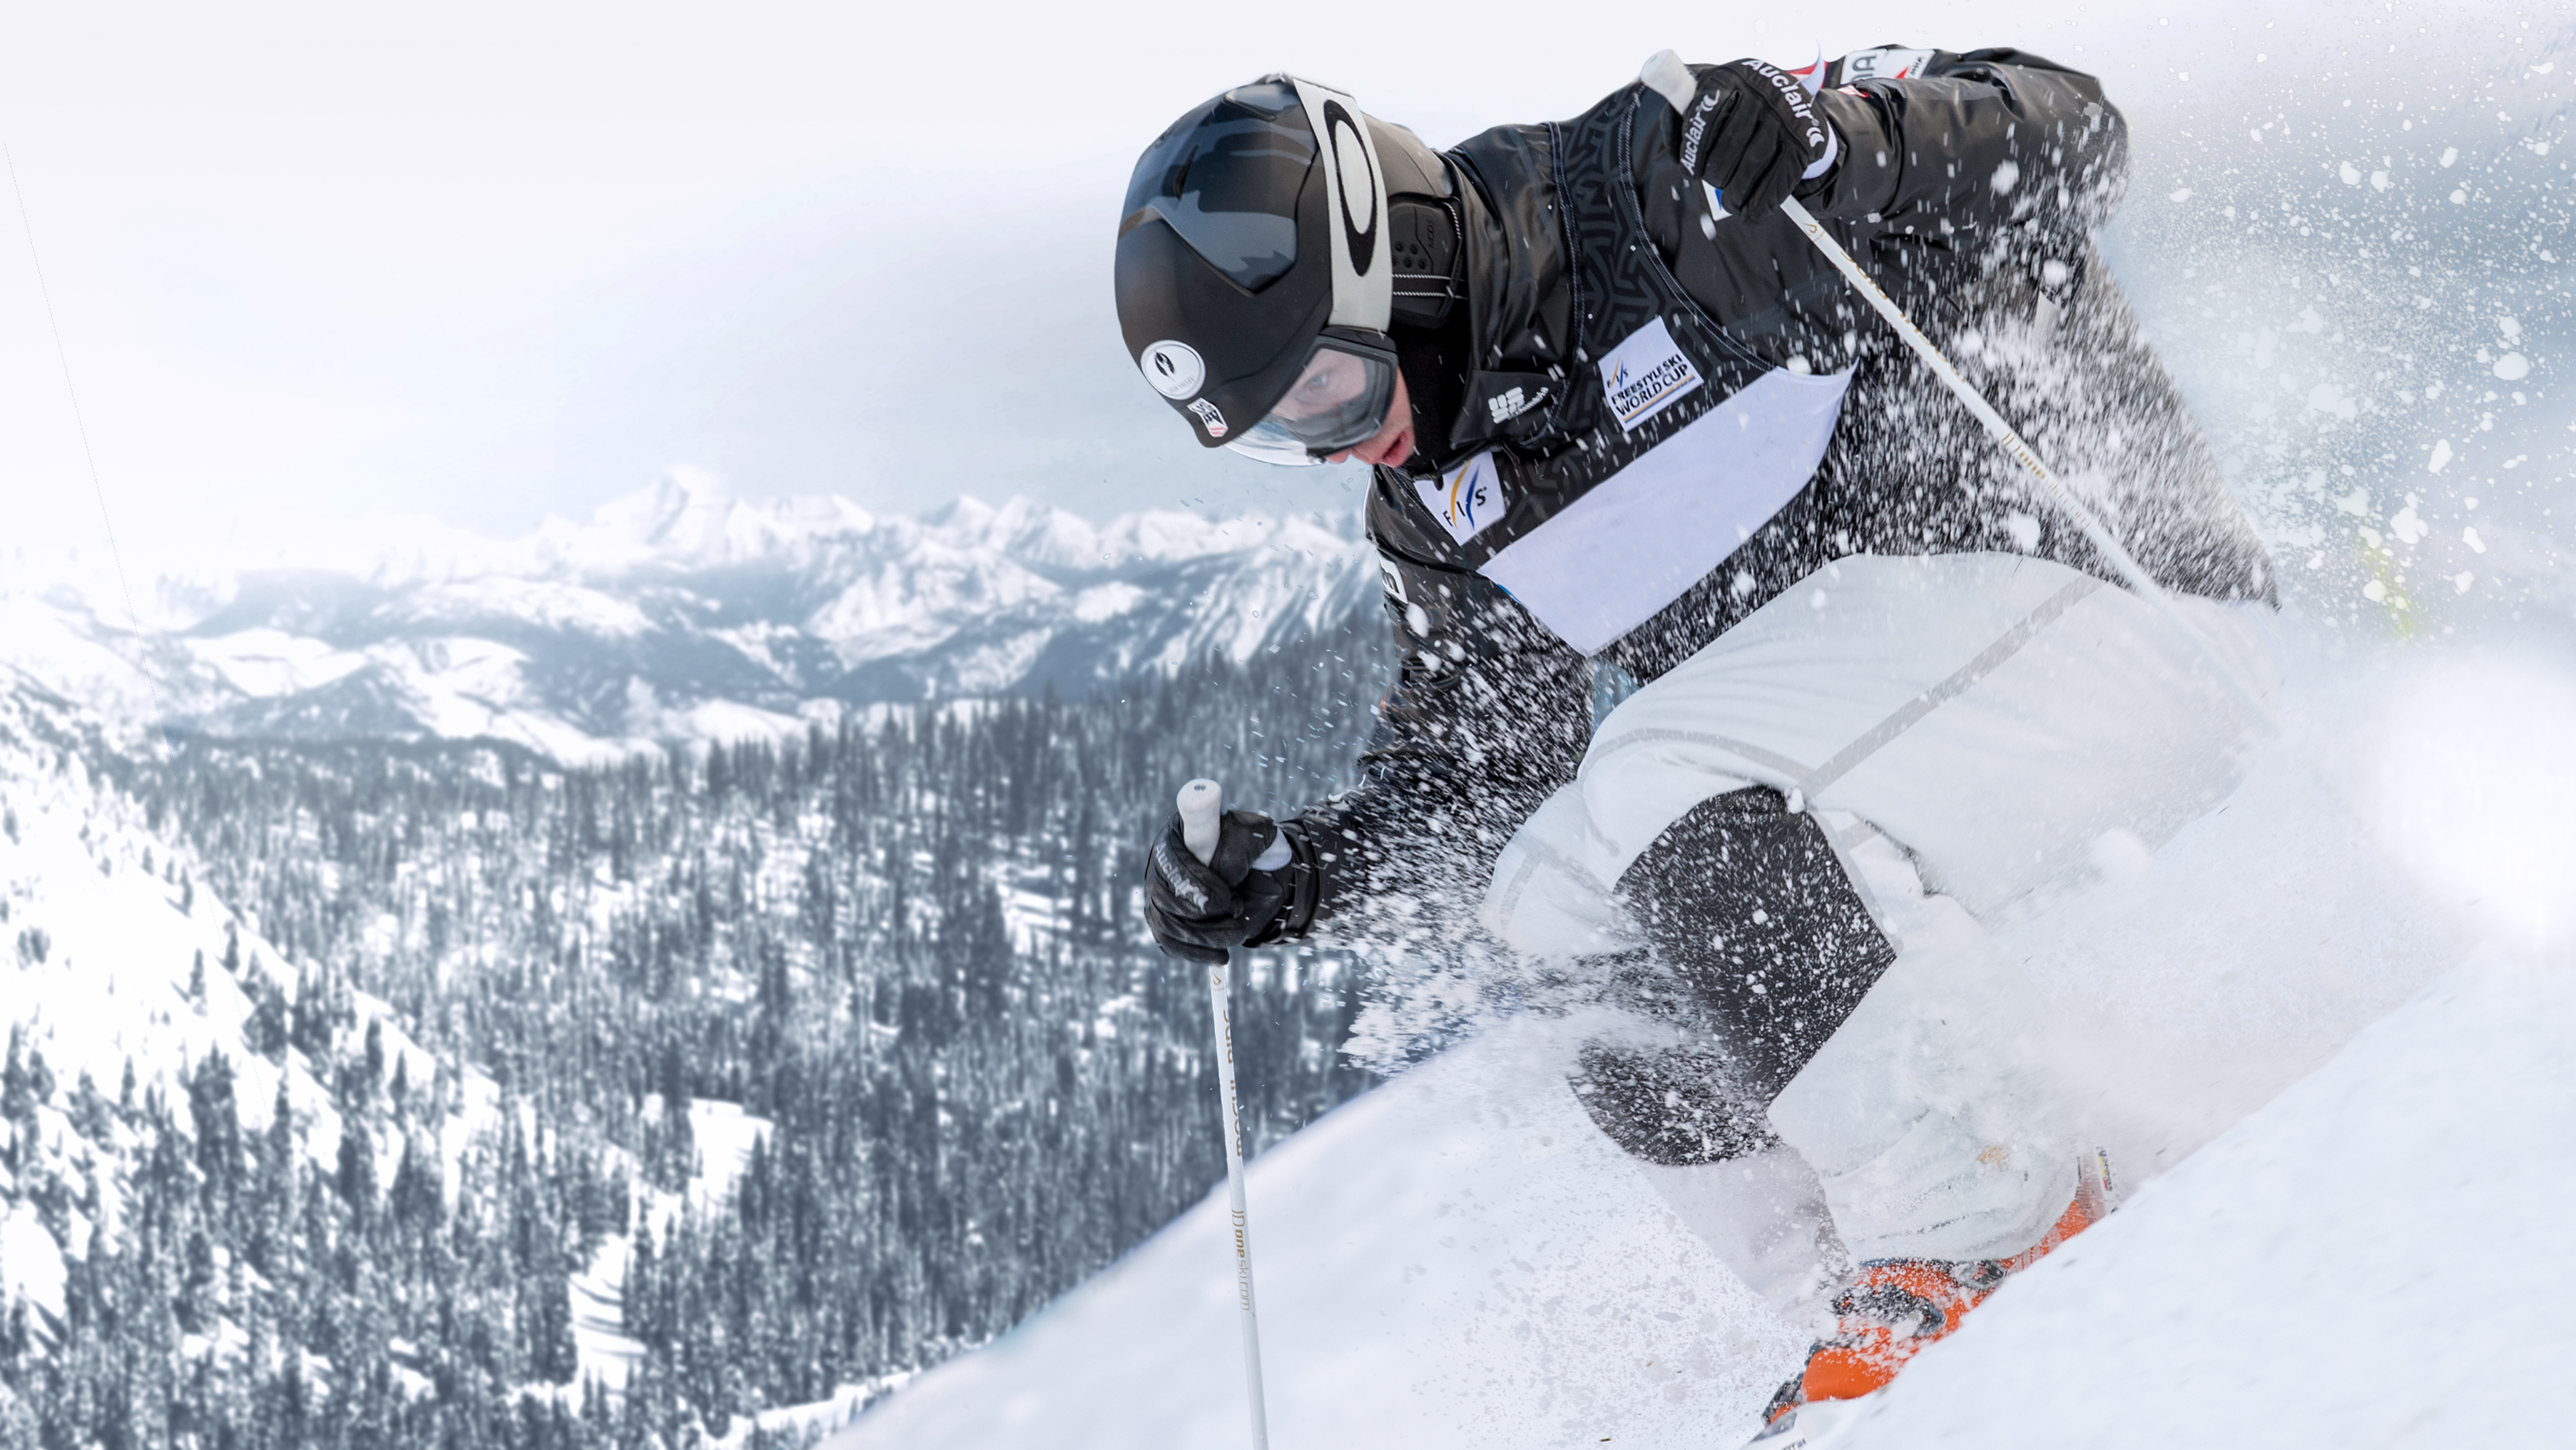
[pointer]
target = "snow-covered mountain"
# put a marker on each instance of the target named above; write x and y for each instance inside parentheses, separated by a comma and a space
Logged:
(681, 613)
(122, 978)
(173, 1079)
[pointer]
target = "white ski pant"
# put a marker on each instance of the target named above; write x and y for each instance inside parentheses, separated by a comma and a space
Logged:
(1970, 730)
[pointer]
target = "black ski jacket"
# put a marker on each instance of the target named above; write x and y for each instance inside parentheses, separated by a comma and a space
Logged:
(1970, 193)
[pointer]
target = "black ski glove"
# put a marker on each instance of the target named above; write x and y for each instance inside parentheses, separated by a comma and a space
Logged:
(1752, 132)
(1197, 908)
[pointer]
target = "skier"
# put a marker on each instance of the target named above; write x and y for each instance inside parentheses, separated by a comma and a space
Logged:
(1630, 430)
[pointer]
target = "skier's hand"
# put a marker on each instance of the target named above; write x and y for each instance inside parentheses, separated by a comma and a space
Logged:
(1197, 908)
(1752, 132)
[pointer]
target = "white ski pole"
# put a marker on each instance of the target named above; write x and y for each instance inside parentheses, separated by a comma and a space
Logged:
(2012, 442)
(1201, 806)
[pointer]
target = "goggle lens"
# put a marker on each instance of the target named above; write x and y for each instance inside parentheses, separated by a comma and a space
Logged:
(1338, 402)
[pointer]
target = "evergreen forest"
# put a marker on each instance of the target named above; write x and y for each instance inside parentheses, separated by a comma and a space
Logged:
(904, 950)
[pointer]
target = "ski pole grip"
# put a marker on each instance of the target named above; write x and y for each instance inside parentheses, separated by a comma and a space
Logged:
(1202, 807)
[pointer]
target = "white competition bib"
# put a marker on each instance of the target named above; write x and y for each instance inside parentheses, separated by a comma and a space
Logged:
(1642, 536)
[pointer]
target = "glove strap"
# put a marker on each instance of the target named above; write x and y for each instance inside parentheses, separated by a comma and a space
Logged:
(1305, 888)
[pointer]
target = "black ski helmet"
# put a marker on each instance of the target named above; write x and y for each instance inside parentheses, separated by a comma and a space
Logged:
(1252, 259)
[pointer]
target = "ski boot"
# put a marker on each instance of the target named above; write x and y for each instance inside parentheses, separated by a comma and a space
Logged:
(1894, 1309)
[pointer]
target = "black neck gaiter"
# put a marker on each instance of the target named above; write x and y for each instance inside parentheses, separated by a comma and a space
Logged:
(1434, 363)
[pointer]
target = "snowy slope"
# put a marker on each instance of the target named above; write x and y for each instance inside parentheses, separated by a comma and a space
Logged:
(1459, 1258)
(2343, 1111)
(121, 975)
(724, 1134)
(681, 613)
(1462, 1260)
(107, 935)
(2369, 1260)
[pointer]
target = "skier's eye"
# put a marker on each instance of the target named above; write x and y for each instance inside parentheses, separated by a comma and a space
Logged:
(1330, 380)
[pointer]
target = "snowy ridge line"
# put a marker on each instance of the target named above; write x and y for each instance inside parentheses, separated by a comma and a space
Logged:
(680, 614)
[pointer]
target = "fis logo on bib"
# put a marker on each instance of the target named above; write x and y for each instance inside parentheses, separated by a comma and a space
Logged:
(1645, 375)
(1465, 500)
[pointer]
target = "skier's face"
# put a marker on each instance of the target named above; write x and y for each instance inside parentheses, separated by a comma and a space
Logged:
(1393, 441)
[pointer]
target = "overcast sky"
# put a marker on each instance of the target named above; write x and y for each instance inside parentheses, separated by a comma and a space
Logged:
(486, 262)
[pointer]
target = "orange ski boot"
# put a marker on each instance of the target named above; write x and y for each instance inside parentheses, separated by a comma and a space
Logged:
(1895, 1308)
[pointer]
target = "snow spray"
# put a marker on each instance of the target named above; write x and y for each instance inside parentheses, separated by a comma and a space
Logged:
(1201, 805)
(1667, 75)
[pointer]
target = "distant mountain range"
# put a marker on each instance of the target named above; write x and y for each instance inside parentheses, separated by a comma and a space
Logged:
(681, 613)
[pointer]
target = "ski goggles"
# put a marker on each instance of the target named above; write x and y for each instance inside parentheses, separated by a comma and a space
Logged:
(1339, 401)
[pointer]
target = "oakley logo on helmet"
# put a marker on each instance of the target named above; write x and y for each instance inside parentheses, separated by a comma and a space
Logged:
(1209, 417)
(1174, 369)
(1351, 162)
(1355, 188)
